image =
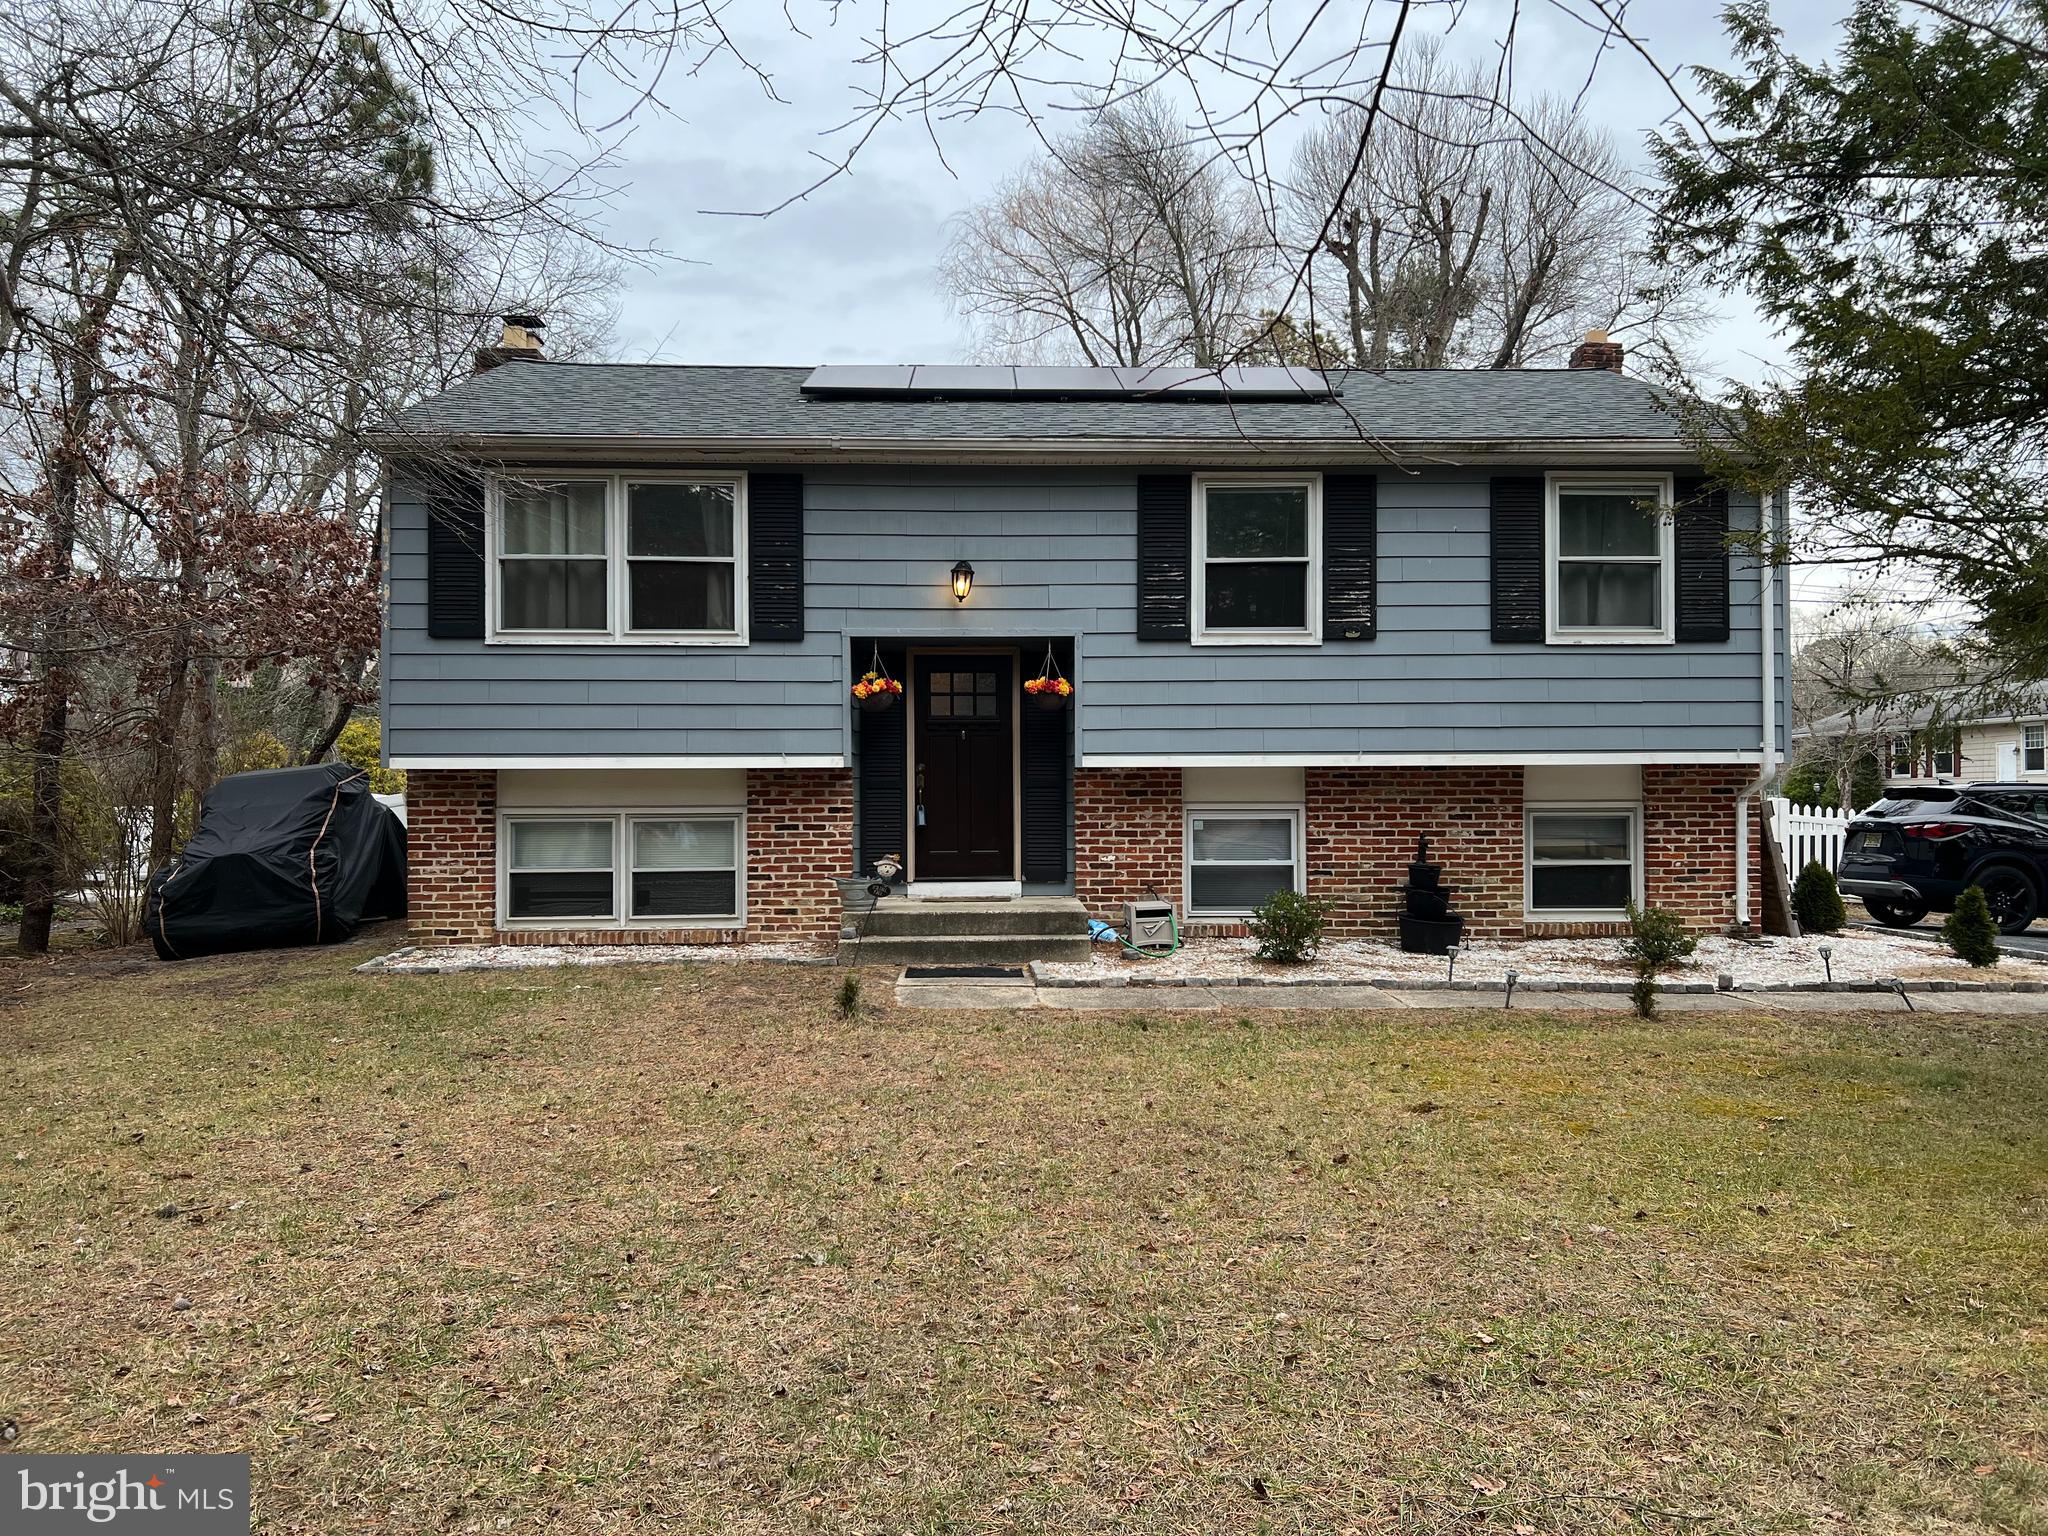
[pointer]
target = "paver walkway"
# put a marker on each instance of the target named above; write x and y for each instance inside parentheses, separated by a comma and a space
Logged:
(1020, 992)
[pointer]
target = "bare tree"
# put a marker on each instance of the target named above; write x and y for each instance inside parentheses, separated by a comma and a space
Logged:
(1469, 233)
(1126, 243)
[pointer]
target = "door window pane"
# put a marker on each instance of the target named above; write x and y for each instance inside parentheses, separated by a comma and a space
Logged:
(1591, 595)
(1621, 521)
(685, 520)
(1257, 522)
(563, 519)
(1255, 595)
(551, 594)
(680, 594)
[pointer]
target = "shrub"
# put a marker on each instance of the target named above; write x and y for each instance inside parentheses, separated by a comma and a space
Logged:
(849, 995)
(1817, 901)
(1969, 929)
(361, 742)
(1289, 926)
(1656, 939)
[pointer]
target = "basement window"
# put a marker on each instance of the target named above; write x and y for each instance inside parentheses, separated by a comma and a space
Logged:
(686, 867)
(1239, 857)
(558, 868)
(1584, 863)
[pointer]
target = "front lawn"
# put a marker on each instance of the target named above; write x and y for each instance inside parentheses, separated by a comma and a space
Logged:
(681, 1250)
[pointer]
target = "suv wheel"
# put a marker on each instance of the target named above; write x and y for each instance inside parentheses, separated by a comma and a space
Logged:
(2011, 896)
(1895, 914)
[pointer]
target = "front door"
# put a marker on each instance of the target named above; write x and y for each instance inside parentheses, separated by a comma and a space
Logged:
(962, 774)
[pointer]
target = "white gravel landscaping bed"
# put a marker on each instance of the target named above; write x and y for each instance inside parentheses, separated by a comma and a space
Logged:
(424, 960)
(1857, 957)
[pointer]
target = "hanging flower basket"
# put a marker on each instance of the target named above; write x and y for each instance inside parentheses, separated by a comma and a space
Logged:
(876, 691)
(1049, 690)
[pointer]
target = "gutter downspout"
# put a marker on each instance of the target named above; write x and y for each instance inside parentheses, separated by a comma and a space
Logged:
(1768, 650)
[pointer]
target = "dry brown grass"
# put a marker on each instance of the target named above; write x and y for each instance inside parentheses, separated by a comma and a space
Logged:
(683, 1250)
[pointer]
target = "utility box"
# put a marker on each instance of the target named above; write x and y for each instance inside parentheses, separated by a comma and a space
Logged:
(1149, 924)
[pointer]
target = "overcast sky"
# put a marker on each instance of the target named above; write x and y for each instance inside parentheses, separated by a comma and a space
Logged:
(850, 274)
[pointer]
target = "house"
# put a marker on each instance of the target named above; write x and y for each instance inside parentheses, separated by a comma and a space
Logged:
(1946, 733)
(1306, 619)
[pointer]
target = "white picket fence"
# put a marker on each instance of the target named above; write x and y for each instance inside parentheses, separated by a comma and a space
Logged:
(1807, 832)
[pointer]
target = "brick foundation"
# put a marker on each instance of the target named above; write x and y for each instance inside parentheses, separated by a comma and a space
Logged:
(1127, 835)
(799, 839)
(1689, 843)
(451, 855)
(1361, 826)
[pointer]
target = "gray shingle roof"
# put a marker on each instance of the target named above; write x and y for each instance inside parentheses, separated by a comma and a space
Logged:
(557, 401)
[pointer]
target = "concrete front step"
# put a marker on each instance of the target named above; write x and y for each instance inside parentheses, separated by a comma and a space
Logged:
(1023, 917)
(962, 949)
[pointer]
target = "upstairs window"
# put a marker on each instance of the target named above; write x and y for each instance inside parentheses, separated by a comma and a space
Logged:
(2034, 751)
(1610, 565)
(1257, 560)
(627, 558)
(552, 571)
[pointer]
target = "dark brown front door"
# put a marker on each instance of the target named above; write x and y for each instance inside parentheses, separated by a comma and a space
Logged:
(965, 806)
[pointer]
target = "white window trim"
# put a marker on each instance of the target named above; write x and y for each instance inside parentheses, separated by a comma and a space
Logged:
(1293, 813)
(2033, 741)
(1557, 634)
(1632, 809)
(617, 560)
(622, 819)
(1198, 560)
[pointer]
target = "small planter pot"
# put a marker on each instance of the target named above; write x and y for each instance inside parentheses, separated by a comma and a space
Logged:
(875, 703)
(854, 895)
(1049, 702)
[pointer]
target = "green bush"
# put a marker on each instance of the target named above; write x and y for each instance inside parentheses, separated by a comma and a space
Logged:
(361, 743)
(1969, 929)
(1817, 901)
(849, 995)
(1656, 939)
(1289, 926)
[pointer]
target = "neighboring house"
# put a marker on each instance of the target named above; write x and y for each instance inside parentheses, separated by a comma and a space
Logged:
(1950, 734)
(1307, 620)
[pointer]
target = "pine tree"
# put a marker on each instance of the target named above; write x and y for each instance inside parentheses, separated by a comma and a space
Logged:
(1816, 901)
(1970, 931)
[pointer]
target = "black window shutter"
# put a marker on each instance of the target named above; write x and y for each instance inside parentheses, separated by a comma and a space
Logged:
(1165, 526)
(1350, 548)
(775, 556)
(879, 750)
(1042, 747)
(1700, 533)
(455, 557)
(1517, 549)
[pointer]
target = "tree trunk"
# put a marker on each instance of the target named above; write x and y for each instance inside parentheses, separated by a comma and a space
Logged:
(47, 833)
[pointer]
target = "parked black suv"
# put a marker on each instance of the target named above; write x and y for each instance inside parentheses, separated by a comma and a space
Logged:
(1915, 850)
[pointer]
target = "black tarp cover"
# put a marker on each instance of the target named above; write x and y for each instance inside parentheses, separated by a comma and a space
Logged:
(283, 856)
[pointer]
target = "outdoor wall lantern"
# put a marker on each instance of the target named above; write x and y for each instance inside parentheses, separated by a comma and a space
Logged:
(963, 581)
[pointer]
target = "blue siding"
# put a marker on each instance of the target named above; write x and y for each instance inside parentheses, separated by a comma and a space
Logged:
(1054, 553)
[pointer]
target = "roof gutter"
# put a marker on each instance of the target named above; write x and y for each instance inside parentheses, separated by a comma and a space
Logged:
(1292, 452)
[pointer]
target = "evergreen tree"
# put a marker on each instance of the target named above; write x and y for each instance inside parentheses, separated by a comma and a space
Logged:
(1816, 901)
(1970, 931)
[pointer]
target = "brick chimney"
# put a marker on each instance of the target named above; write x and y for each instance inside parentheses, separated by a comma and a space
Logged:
(519, 342)
(1596, 351)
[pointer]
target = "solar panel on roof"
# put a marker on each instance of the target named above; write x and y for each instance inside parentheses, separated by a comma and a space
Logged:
(948, 381)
